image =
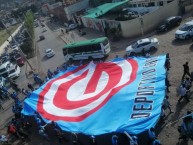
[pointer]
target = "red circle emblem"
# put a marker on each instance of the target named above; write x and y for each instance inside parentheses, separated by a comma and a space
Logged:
(78, 94)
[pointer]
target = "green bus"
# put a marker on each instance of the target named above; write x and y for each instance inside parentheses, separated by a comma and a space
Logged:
(87, 49)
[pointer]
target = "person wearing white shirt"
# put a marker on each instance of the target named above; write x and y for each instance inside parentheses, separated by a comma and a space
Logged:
(183, 93)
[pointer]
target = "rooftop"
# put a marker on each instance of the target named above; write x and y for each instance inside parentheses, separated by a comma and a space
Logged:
(85, 42)
(102, 9)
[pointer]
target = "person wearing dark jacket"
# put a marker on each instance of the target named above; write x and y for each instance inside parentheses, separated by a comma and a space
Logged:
(186, 70)
(30, 87)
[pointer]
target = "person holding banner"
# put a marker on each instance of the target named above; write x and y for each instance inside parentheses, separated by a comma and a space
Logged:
(166, 104)
(152, 137)
(114, 140)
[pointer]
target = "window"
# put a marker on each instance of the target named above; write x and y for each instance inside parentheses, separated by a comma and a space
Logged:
(146, 43)
(96, 47)
(161, 3)
(71, 50)
(151, 4)
(139, 45)
(169, 1)
(64, 52)
(2, 70)
(105, 42)
(12, 71)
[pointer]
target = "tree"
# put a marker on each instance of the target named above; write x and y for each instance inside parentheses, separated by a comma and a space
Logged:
(27, 46)
(29, 23)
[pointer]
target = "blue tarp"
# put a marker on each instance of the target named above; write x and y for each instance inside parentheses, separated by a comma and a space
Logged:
(122, 95)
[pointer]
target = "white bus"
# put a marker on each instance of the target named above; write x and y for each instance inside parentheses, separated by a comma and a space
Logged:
(87, 49)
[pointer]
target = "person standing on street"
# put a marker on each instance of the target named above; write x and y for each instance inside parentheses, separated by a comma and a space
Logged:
(30, 87)
(186, 70)
(183, 93)
(167, 104)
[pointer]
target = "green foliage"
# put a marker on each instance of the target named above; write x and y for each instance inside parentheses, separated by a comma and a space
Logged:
(29, 23)
(27, 48)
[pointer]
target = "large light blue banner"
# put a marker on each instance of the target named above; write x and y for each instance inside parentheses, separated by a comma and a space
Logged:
(122, 95)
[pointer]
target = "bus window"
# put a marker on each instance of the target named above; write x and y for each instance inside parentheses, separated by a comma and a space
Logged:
(105, 42)
(71, 50)
(96, 47)
(64, 52)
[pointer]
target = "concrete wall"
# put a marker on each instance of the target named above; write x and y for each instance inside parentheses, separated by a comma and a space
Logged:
(188, 8)
(133, 28)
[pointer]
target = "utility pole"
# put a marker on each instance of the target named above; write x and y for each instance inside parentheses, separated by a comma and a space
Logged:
(141, 24)
(8, 32)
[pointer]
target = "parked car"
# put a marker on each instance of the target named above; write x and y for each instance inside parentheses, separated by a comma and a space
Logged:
(49, 52)
(19, 60)
(2, 81)
(4, 69)
(14, 47)
(5, 57)
(148, 44)
(72, 27)
(42, 25)
(44, 30)
(42, 37)
(14, 71)
(185, 31)
(169, 23)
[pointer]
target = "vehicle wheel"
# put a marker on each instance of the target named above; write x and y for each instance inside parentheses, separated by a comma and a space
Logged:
(187, 37)
(152, 48)
(90, 58)
(132, 54)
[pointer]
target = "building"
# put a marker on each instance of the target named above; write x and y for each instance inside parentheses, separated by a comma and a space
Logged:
(67, 10)
(76, 9)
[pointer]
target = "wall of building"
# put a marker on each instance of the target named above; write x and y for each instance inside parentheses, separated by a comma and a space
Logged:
(150, 21)
(188, 8)
(75, 8)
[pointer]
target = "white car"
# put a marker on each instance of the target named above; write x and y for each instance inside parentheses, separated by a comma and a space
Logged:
(49, 52)
(14, 72)
(149, 44)
(2, 81)
(14, 47)
(72, 26)
(185, 31)
(44, 30)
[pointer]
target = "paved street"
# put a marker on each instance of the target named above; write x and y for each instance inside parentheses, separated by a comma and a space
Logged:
(51, 41)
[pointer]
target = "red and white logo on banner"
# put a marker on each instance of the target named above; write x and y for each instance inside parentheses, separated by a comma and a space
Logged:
(78, 94)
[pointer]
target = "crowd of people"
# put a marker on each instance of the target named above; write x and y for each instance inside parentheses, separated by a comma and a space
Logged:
(20, 126)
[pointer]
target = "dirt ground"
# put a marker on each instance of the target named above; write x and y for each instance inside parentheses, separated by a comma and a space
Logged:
(180, 52)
